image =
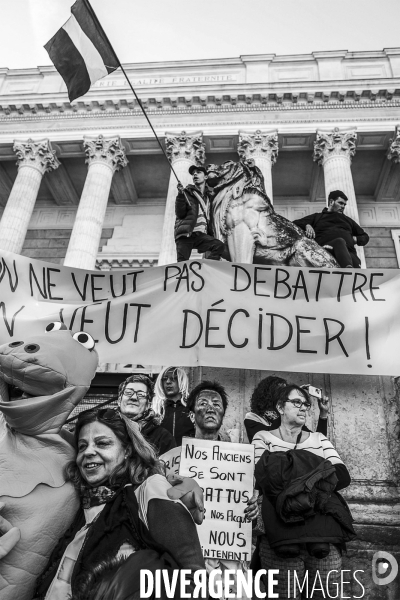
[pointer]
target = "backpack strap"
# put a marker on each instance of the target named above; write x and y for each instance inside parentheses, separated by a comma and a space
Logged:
(298, 439)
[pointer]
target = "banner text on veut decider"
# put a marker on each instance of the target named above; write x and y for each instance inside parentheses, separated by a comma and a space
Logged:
(214, 313)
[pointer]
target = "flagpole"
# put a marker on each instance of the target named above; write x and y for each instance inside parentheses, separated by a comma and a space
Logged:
(130, 85)
(149, 122)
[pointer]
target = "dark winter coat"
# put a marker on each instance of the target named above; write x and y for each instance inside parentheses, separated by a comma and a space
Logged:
(331, 225)
(300, 503)
(176, 421)
(119, 522)
(187, 213)
(159, 437)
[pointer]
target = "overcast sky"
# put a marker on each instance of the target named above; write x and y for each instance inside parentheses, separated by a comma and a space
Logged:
(158, 30)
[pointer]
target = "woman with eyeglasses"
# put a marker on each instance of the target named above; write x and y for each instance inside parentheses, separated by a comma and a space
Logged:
(137, 402)
(263, 414)
(306, 521)
(126, 521)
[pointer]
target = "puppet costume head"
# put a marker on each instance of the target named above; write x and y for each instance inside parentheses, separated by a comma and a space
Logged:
(42, 379)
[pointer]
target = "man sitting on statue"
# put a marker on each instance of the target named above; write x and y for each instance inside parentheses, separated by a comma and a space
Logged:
(207, 404)
(193, 227)
(336, 232)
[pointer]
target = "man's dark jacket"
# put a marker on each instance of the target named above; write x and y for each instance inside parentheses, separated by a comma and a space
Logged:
(187, 212)
(300, 503)
(331, 225)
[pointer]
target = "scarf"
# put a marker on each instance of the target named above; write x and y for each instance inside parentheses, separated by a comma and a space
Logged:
(148, 416)
(94, 496)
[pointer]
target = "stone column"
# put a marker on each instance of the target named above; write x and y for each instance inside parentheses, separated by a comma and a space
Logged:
(104, 157)
(34, 159)
(334, 151)
(263, 148)
(183, 150)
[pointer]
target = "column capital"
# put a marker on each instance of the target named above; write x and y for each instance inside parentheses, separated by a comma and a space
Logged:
(109, 151)
(258, 144)
(393, 153)
(37, 154)
(335, 143)
(185, 146)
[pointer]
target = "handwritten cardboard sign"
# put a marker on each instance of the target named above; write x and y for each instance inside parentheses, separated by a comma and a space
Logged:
(213, 313)
(225, 472)
(172, 460)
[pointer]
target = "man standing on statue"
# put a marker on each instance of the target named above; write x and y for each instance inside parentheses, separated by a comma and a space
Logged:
(193, 227)
(336, 232)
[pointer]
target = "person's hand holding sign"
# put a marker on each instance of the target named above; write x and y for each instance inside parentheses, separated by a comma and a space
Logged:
(251, 510)
(189, 493)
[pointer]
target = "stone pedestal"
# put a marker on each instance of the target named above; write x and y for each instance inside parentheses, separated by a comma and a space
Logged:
(263, 148)
(104, 157)
(183, 150)
(34, 159)
(334, 151)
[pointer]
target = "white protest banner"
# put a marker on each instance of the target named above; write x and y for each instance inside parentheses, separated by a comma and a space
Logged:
(225, 471)
(214, 313)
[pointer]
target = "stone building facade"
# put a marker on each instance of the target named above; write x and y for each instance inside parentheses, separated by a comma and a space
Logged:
(86, 185)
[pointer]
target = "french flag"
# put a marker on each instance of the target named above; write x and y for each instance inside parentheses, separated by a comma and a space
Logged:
(80, 51)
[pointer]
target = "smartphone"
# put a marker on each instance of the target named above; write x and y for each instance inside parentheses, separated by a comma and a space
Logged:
(313, 391)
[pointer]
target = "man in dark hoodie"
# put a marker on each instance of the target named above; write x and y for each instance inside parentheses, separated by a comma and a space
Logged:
(193, 223)
(336, 232)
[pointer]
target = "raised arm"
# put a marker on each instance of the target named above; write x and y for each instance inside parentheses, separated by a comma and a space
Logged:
(323, 404)
(181, 204)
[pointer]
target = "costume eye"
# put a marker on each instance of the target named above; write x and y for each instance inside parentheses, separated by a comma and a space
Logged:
(32, 348)
(85, 339)
(55, 326)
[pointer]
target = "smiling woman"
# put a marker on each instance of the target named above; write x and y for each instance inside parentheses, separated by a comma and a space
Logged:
(126, 516)
(299, 472)
(100, 453)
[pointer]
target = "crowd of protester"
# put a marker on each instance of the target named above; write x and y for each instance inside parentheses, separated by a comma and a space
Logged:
(128, 517)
